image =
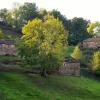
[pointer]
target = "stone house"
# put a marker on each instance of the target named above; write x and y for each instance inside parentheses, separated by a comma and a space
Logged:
(91, 43)
(7, 47)
(70, 66)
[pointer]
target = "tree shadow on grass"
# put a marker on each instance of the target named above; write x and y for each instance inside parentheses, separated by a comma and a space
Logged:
(52, 85)
(17, 86)
(85, 72)
(62, 87)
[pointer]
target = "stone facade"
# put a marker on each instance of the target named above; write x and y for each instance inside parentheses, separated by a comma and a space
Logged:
(7, 47)
(70, 67)
(91, 43)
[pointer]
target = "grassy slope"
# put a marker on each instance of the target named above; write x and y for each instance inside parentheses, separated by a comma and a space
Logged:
(16, 86)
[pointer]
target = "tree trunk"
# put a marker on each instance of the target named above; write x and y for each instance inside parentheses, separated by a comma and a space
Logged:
(44, 72)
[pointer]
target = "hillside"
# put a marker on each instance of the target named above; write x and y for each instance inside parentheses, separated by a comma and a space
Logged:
(16, 86)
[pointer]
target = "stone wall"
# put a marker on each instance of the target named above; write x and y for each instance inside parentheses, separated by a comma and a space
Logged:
(7, 49)
(70, 69)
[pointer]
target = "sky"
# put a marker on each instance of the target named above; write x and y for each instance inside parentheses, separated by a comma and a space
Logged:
(88, 9)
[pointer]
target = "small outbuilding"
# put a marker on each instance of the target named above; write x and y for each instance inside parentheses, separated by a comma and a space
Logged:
(7, 47)
(70, 66)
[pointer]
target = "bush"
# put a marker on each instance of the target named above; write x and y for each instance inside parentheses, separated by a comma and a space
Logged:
(86, 57)
(77, 54)
(96, 62)
(1, 34)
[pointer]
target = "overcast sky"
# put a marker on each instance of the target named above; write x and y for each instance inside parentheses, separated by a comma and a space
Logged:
(88, 9)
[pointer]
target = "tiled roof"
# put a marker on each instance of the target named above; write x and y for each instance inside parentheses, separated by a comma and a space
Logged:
(70, 60)
(95, 39)
(7, 42)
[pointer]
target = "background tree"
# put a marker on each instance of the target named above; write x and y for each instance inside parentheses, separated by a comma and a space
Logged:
(42, 12)
(28, 11)
(57, 14)
(15, 18)
(19, 15)
(3, 14)
(94, 29)
(78, 31)
(77, 27)
(45, 41)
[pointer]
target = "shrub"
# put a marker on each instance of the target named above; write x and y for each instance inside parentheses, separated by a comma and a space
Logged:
(1, 34)
(77, 54)
(86, 57)
(96, 62)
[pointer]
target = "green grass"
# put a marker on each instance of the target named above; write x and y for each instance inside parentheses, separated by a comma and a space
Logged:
(16, 86)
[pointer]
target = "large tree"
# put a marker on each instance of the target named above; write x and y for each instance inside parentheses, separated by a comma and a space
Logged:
(43, 43)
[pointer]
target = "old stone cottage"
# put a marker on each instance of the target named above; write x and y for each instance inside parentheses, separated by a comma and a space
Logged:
(70, 66)
(7, 47)
(91, 43)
